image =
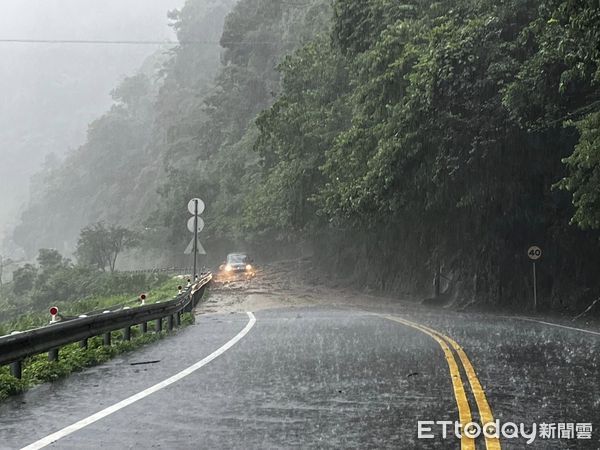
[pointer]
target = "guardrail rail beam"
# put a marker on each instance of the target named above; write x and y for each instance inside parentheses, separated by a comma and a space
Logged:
(15, 348)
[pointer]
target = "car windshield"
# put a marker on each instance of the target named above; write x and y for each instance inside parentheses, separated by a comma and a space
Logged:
(236, 259)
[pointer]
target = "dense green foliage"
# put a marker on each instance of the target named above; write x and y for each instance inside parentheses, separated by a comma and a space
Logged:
(114, 163)
(74, 289)
(393, 137)
(215, 158)
(424, 135)
(113, 177)
(99, 245)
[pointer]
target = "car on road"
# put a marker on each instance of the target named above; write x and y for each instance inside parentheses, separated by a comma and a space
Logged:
(237, 264)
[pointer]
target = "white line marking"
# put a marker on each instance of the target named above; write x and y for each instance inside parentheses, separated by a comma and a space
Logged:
(145, 393)
(555, 325)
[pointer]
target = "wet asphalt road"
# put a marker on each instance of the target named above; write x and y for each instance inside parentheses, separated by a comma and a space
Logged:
(320, 377)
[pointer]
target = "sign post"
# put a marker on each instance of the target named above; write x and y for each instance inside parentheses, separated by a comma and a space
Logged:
(195, 225)
(195, 238)
(534, 253)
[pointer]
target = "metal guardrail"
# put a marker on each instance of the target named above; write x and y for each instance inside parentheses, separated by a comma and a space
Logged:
(16, 347)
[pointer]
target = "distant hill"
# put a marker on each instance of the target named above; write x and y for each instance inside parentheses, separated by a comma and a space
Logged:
(51, 92)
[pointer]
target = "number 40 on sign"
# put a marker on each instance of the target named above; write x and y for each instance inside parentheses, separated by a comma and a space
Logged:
(534, 253)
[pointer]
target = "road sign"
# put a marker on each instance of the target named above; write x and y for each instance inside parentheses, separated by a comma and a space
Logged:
(191, 221)
(192, 207)
(195, 225)
(199, 249)
(534, 252)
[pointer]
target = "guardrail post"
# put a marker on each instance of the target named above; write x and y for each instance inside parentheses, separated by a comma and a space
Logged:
(144, 327)
(83, 344)
(170, 322)
(107, 338)
(127, 334)
(158, 325)
(178, 318)
(53, 355)
(190, 305)
(16, 369)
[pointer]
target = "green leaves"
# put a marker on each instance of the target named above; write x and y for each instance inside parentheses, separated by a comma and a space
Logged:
(99, 245)
(439, 122)
(560, 64)
(583, 180)
(295, 135)
(449, 134)
(24, 279)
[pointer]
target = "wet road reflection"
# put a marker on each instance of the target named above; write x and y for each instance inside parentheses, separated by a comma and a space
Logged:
(322, 377)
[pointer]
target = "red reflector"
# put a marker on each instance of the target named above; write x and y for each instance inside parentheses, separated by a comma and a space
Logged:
(53, 311)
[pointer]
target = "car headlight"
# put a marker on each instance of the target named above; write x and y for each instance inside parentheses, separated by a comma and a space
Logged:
(248, 267)
(228, 268)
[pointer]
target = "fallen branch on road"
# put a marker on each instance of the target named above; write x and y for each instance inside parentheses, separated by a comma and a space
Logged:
(144, 362)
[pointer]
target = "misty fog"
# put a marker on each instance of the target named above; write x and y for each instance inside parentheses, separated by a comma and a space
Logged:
(393, 158)
(403, 195)
(50, 92)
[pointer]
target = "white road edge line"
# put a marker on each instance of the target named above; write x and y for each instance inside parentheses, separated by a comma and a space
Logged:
(145, 393)
(554, 325)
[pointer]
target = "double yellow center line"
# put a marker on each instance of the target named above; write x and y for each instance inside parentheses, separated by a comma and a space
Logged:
(464, 410)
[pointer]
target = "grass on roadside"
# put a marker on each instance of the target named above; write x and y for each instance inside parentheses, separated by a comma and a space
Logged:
(72, 358)
(162, 290)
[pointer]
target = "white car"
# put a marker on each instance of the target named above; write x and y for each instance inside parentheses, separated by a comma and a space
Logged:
(237, 263)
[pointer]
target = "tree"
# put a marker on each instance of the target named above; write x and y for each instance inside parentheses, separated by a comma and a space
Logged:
(4, 262)
(583, 180)
(453, 138)
(100, 245)
(24, 279)
(50, 260)
(395, 136)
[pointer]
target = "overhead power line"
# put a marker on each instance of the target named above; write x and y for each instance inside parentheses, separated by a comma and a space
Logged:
(86, 41)
(136, 42)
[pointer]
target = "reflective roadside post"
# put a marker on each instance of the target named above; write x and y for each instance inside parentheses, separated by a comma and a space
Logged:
(53, 313)
(534, 253)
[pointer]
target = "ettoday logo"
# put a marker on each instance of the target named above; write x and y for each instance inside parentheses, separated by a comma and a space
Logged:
(429, 429)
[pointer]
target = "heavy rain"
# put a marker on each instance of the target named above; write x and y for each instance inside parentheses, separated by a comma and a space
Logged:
(299, 224)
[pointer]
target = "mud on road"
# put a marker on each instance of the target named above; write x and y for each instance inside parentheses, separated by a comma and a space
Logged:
(283, 285)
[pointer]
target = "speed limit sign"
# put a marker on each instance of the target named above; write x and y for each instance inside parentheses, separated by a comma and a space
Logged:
(534, 252)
